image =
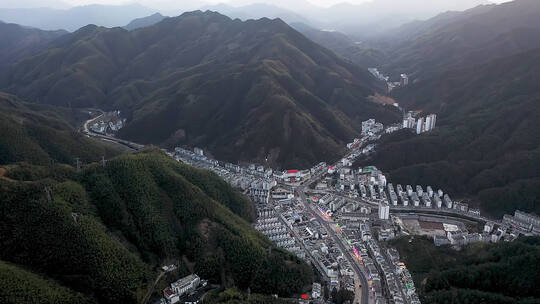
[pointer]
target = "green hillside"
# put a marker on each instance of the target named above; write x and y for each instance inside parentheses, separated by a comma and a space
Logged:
(245, 91)
(22, 286)
(17, 42)
(453, 40)
(104, 230)
(40, 134)
(486, 146)
(480, 273)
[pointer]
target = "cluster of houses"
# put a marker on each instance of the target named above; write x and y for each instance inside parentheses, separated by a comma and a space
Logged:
(388, 278)
(272, 225)
(110, 123)
(423, 124)
(391, 85)
(525, 223)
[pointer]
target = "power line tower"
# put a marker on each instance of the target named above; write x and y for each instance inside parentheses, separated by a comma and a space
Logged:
(103, 161)
(78, 160)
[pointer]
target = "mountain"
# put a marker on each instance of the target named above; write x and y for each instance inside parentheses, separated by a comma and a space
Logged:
(76, 17)
(145, 21)
(474, 274)
(42, 134)
(17, 42)
(461, 39)
(343, 45)
(371, 18)
(245, 91)
(257, 11)
(486, 147)
(100, 234)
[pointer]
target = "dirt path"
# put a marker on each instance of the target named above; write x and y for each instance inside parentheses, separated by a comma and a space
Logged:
(149, 293)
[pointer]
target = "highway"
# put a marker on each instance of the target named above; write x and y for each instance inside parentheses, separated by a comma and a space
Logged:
(364, 299)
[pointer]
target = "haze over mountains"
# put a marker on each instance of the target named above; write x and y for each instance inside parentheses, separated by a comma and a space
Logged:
(453, 40)
(359, 20)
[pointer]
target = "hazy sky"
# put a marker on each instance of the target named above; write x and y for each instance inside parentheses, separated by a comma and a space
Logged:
(157, 3)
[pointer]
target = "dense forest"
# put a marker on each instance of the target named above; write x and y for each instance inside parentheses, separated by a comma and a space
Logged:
(41, 134)
(99, 234)
(480, 273)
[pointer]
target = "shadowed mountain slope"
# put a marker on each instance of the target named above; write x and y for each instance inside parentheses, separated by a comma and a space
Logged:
(486, 145)
(251, 90)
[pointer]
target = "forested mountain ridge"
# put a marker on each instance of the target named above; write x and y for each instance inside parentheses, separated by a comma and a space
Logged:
(459, 39)
(486, 146)
(41, 134)
(17, 42)
(144, 21)
(503, 273)
(100, 233)
(251, 90)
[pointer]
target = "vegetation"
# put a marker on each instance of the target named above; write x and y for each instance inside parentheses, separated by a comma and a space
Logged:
(43, 134)
(462, 39)
(17, 42)
(480, 273)
(234, 296)
(486, 145)
(21, 286)
(102, 231)
(342, 296)
(249, 91)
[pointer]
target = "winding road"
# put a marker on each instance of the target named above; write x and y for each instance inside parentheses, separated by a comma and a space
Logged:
(87, 131)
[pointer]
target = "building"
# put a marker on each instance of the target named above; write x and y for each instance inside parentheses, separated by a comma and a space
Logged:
(440, 240)
(447, 201)
(370, 127)
(186, 284)
(420, 125)
(409, 121)
(259, 191)
(409, 190)
(429, 191)
(198, 151)
(432, 121)
(526, 221)
(316, 291)
(404, 80)
(281, 193)
(384, 210)
(419, 190)
(179, 288)
(170, 296)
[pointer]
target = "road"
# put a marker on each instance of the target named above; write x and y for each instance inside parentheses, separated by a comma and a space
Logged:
(151, 290)
(347, 252)
(86, 130)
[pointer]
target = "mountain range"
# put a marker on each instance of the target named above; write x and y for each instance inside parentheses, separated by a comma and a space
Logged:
(72, 19)
(17, 42)
(144, 21)
(485, 146)
(98, 234)
(461, 39)
(246, 91)
(358, 20)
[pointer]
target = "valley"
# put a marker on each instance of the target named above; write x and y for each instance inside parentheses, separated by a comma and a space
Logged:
(270, 152)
